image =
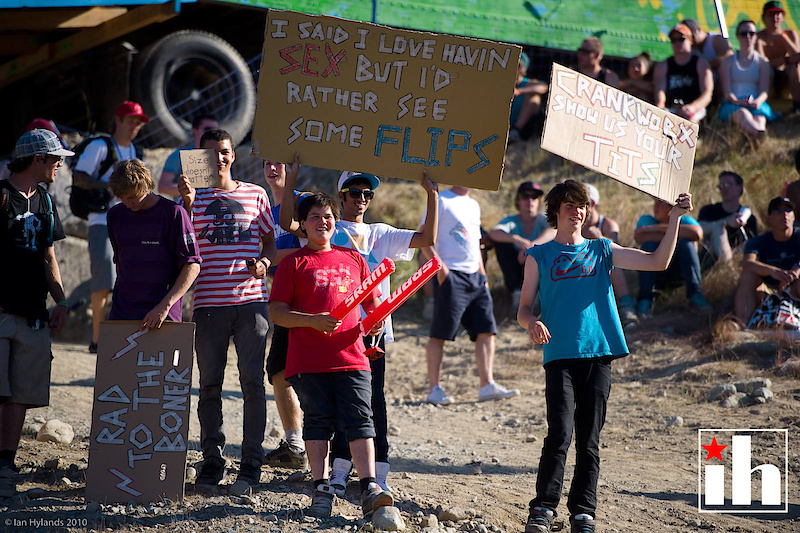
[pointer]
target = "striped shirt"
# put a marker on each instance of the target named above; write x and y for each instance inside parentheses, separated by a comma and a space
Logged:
(229, 227)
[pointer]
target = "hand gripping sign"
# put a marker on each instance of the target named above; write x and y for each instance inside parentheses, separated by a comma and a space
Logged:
(364, 290)
(401, 294)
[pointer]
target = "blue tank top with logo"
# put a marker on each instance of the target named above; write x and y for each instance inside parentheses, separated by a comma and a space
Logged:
(577, 300)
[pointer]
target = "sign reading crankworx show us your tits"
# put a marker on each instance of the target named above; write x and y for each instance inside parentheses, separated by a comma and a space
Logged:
(613, 133)
(358, 96)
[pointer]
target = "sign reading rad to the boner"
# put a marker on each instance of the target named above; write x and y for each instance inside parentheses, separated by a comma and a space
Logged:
(616, 134)
(391, 102)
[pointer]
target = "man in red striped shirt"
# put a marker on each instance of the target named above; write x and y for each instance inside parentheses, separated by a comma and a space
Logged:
(234, 230)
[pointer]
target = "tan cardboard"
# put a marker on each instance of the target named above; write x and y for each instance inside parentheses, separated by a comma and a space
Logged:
(357, 96)
(613, 133)
(200, 166)
(140, 416)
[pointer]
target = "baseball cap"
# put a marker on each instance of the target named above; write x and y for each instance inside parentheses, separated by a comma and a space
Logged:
(683, 29)
(128, 108)
(771, 7)
(777, 202)
(40, 141)
(347, 177)
(594, 194)
(529, 186)
(42, 124)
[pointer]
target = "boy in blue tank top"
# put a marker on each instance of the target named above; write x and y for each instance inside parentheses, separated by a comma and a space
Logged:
(581, 334)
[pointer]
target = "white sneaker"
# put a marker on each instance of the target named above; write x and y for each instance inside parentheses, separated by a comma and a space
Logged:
(339, 474)
(439, 397)
(493, 391)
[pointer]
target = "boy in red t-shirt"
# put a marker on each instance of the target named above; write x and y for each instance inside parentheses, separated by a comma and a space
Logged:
(325, 362)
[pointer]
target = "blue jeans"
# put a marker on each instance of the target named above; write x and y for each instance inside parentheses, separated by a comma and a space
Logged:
(576, 394)
(685, 262)
(248, 326)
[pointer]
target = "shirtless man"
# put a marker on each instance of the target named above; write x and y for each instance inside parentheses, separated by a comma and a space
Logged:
(782, 48)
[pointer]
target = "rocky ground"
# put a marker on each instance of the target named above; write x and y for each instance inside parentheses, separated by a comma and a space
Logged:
(470, 466)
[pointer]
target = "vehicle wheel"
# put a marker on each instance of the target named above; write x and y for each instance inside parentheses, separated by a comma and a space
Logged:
(190, 72)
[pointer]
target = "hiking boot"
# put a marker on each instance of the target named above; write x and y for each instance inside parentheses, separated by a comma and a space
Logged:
(339, 474)
(212, 472)
(375, 497)
(644, 308)
(582, 523)
(8, 485)
(438, 396)
(287, 457)
(249, 477)
(540, 520)
(493, 391)
(700, 304)
(321, 502)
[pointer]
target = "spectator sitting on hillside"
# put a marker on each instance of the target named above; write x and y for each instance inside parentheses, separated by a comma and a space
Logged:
(596, 227)
(793, 188)
(684, 84)
(685, 263)
(745, 85)
(782, 50)
(640, 78)
(771, 260)
(168, 182)
(589, 56)
(514, 234)
(527, 103)
(727, 224)
(711, 46)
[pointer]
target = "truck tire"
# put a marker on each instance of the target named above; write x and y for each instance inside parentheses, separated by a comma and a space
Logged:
(190, 72)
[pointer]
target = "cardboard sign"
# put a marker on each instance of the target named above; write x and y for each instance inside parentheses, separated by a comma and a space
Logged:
(140, 417)
(200, 166)
(359, 96)
(613, 133)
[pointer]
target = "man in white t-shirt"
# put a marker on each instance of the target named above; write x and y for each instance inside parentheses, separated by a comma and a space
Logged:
(129, 118)
(461, 295)
(235, 234)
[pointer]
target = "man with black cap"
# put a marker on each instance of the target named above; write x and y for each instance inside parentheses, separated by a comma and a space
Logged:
(516, 233)
(684, 84)
(29, 225)
(771, 260)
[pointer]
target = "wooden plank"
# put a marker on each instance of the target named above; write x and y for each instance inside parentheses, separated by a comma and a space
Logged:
(51, 54)
(38, 20)
(15, 44)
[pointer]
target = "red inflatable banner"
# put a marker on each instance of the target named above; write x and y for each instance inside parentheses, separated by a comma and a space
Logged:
(364, 290)
(401, 294)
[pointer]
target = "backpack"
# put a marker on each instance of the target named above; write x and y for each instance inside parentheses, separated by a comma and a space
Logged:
(85, 201)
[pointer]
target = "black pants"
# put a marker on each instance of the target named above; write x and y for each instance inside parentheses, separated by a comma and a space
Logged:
(340, 448)
(576, 394)
(507, 259)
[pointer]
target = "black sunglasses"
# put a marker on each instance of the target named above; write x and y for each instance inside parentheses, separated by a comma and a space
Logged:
(746, 33)
(677, 39)
(356, 194)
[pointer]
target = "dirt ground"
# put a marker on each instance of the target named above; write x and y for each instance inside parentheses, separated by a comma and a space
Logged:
(474, 459)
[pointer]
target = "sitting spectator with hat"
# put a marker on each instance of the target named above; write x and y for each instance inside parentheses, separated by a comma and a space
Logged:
(516, 233)
(771, 260)
(782, 49)
(684, 84)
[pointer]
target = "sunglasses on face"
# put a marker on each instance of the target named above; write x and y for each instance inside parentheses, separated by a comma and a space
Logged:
(528, 196)
(357, 194)
(783, 209)
(677, 39)
(725, 186)
(56, 158)
(747, 34)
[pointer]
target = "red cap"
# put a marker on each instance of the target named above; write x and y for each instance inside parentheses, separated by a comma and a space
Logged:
(128, 108)
(42, 124)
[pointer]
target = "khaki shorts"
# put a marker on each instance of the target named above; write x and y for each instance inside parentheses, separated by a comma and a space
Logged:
(25, 360)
